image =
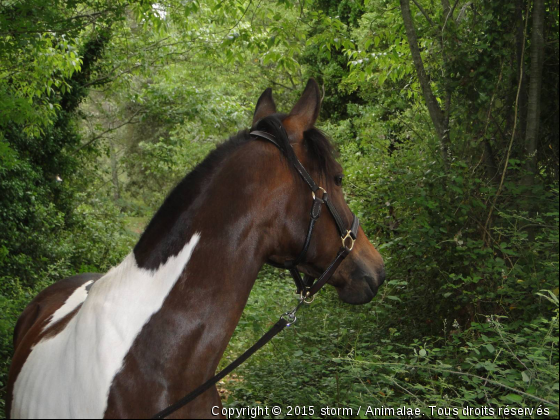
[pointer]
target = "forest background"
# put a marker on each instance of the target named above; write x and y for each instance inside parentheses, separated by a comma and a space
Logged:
(445, 115)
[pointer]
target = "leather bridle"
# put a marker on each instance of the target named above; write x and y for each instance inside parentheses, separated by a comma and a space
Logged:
(307, 286)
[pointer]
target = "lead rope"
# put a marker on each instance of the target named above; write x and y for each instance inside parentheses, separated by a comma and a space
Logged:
(286, 320)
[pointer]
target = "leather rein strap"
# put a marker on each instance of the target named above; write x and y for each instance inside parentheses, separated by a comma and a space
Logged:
(306, 286)
(276, 328)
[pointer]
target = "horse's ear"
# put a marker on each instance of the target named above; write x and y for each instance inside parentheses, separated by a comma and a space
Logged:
(265, 107)
(304, 114)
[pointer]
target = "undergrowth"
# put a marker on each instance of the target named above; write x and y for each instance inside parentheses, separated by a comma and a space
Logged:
(337, 356)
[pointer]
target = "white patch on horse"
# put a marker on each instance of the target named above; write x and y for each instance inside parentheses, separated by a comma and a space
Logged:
(75, 299)
(69, 375)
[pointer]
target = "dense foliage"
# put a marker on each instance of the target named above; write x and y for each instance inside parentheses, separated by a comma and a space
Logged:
(445, 116)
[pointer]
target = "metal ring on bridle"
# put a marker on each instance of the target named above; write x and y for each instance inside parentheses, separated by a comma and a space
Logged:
(289, 317)
(352, 240)
(320, 188)
(303, 298)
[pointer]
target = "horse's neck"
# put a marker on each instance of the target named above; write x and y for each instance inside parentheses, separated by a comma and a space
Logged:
(183, 341)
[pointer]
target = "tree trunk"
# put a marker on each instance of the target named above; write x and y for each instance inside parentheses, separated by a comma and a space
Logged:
(535, 83)
(490, 162)
(436, 114)
(519, 44)
(115, 173)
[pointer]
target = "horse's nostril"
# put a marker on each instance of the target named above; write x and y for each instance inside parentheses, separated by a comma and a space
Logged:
(381, 276)
(371, 283)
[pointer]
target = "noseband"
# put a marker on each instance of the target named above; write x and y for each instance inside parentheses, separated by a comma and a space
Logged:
(306, 286)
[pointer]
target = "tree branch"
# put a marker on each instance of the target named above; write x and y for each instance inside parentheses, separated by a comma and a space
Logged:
(535, 84)
(436, 114)
(498, 192)
(91, 141)
(448, 12)
(423, 11)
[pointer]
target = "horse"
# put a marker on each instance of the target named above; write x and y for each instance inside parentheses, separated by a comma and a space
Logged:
(133, 341)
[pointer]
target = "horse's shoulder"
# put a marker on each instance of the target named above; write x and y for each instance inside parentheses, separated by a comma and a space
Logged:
(47, 302)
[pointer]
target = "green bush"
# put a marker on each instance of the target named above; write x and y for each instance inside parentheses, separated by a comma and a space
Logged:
(347, 357)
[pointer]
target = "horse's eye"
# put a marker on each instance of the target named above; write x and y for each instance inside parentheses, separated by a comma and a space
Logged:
(338, 180)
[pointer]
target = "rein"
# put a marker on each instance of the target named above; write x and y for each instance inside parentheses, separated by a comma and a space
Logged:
(307, 287)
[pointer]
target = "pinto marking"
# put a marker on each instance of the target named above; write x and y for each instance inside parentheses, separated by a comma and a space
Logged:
(75, 300)
(69, 375)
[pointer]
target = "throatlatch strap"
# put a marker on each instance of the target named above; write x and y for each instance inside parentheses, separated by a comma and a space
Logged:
(300, 285)
(276, 328)
(315, 213)
(308, 281)
(321, 281)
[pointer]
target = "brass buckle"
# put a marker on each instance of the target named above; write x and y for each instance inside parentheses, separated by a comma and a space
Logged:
(348, 236)
(322, 189)
(303, 298)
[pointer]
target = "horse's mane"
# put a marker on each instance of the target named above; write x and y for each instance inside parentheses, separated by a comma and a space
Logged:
(166, 233)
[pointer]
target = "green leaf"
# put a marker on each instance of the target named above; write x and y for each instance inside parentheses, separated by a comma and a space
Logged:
(516, 398)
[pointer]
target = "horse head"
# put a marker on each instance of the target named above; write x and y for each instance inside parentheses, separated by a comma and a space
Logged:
(360, 275)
